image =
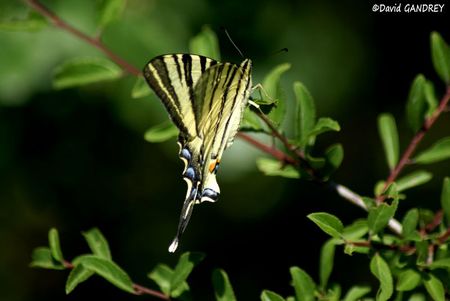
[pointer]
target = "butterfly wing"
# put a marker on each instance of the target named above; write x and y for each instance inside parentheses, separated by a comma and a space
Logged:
(173, 78)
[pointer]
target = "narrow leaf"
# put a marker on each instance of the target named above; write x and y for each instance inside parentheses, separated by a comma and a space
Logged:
(53, 241)
(416, 106)
(42, 258)
(82, 71)
(222, 286)
(389, 137)
(356, 230)
(329, 223)
(97, 243)
(410, 222)
(443, 263)
(434, 287)
(267, 295)
(326, 262)
(33, 22)
(205, 43)
(333, 156)
(162, 275)
(110, 10)
(408, 280)
(380, 269)
(356, 293)
(323, 125)
(379, 216)
(440, 55)
(272, 87)
(306, 113)
(108, 270)
(413, 179)
(430, 97)
(140, 88)
(445, 199)
(161, 132)
(437, 152)
(78, 275)
(303, 284)
(271, 167)
(184, 267)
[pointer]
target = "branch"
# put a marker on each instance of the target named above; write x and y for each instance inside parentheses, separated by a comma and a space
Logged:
(416, 140)
(341, 190)
(94, 41)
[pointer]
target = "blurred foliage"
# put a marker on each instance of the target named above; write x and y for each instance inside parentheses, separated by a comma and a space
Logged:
(75, 158)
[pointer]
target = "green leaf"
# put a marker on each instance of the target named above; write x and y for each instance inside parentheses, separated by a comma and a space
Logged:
(271, 167)
(445, 199)
(251, 122)
(110, 10)
(97, 243)
(222, 286)
(443, 263)
(140, 88)
(389, 137)
(440, 55)
(410, 222)
(356, 230)
(421, 252)
(206, 44)
(78, 275)
(84, 70)
(303, 284)
(42, 258)
(33, 22)
(333, 156)
(417, 297)
(324, 124)
(408, 280)
(184, 267)
(306, 113)
(413, 179)
(437, 152)
(162, 275)
(334, 293)
(53, 241)
(329, 223)
(430, 97)
(379, 216)
(161, 132)
(272, 88)
(356, 293)
(380, 269)
(434, 287)
(326, 262)
(416, 106)
(267, 295)
(108, 270)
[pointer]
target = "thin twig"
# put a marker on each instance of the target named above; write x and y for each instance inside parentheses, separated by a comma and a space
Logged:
(406, 157)
(341, 190)
(58, 22)
(142, 290)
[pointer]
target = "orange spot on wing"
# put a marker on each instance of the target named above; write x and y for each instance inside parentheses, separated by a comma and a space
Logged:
(212, 166)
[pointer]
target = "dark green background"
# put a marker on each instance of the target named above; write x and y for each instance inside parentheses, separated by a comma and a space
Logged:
(76, 158)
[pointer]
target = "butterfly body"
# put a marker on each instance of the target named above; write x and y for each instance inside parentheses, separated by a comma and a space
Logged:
(205, 100)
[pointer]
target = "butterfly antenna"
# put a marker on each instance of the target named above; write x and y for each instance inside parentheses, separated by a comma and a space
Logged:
(231, 40)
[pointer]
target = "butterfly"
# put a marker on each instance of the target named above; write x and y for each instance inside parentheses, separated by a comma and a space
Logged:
(205, 100)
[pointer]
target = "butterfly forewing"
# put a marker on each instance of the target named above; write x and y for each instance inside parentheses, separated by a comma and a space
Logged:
(173, 78)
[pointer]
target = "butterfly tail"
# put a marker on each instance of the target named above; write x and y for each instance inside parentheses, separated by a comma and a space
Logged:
(185, 216)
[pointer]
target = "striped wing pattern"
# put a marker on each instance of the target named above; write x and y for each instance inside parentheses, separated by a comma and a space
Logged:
(205, 99)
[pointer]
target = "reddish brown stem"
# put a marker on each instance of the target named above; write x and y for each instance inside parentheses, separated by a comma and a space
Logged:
(277, 154)
(443, 238)
(58, 22)
(406, 157)
(142, 290)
